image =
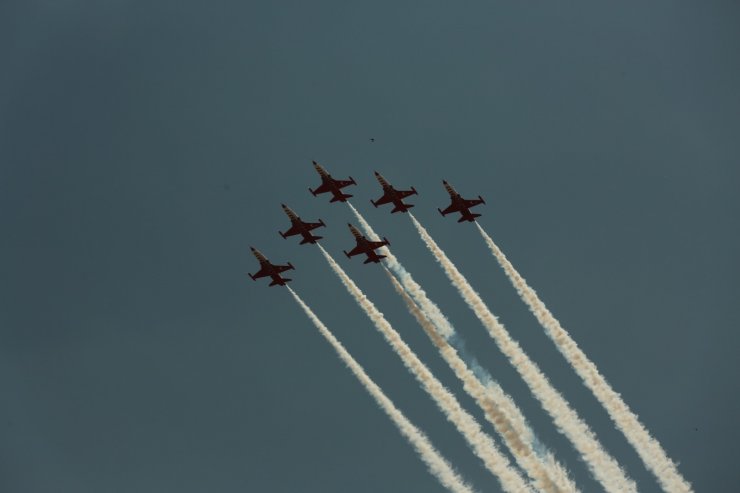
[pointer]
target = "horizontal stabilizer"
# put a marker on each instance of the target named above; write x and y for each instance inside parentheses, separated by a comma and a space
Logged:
(373, 259)
(340, 198)
(470, 218)
(280, 283)
(402, 208)
(312, 239)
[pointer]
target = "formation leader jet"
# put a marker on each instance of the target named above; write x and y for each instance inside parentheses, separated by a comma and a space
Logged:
(329, 184)
(298, 227)
(268, 269)
(391, 195)
(366, 246)
(461, 205)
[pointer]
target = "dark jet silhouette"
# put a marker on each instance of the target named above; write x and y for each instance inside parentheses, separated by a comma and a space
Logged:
(366, 246)
(391, 195)
(329, 184)
(268, 269)
(298, 227)
(461, 205)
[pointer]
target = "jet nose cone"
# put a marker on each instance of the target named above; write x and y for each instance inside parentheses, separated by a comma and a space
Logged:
(376, 173)
(283, 206)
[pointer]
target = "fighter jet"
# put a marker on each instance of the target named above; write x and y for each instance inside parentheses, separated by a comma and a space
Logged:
(329, 184)
(366, 246)
(268, 269)
(461, 205)
(391, 195)
(299, 227)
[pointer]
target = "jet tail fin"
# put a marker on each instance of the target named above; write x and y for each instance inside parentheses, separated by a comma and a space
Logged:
(312, 239)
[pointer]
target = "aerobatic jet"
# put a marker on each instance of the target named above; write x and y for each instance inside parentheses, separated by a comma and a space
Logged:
(461, 205)
(391, 195)
(329, 184)
(268, 269)
(366, 246)
(298, 227)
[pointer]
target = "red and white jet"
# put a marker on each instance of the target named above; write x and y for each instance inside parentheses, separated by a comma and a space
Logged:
(271, 270)
(329, 184)
(461, 205)
(299, 227)
(366, 246)
(391, 195)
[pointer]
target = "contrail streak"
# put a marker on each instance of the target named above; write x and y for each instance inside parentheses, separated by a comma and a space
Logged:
(437, 465)
(522, 451)
(447, 331)
(647, 447)
(603, 467)
(483, 446)
(514, 418)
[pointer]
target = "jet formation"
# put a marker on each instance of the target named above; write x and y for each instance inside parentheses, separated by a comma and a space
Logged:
(364, 246)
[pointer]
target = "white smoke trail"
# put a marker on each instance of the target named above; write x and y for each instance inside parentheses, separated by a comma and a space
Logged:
(444, 328)
(647, 447)
(483, 446)
(603, 467)
(437, 465)
(447, 331)
(522, 450)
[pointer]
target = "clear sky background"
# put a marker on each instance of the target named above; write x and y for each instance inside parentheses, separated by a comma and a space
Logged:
(145, 145)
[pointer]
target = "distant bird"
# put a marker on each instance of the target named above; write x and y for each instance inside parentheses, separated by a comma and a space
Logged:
(372, 140)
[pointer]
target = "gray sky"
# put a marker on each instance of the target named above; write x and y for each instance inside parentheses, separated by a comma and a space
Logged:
(145, 145)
